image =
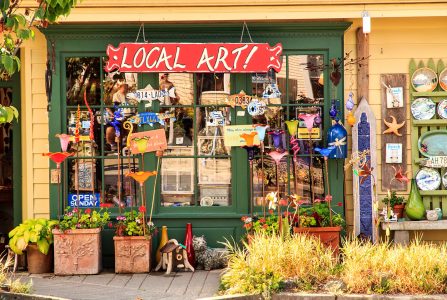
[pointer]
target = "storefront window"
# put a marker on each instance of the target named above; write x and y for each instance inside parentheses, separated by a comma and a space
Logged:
(196, 170)
(301, 85)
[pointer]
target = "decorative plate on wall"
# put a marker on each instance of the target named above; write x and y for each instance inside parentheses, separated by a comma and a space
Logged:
(442, 109)
(444, 180)
(424, 80)
(443, 79)
(433, 143)
(423, 109)
(428, 179)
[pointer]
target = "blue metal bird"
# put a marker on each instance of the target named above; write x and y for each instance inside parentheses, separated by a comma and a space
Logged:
(325, 151)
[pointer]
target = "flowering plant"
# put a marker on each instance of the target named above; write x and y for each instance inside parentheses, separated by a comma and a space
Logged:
(133, 224)
(77, 218)
(269, 224)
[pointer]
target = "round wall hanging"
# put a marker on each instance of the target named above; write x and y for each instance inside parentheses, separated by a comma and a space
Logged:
(442, 109)
(443, 79)
(428, 179)
(423, 109)
(424, 80)
(444, 180)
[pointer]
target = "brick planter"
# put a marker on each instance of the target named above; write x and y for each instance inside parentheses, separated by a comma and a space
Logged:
(329, 236)
(77, 252)
(132, 254)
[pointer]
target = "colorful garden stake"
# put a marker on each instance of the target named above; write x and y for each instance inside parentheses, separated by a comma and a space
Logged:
(277, 138)
(277, 156)
(250, 152)
(261, 130)
(309, 122)
(292, 127)
(326, 152)
(64, 140)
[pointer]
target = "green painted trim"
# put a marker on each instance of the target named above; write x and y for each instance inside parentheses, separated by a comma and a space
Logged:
(14, 83)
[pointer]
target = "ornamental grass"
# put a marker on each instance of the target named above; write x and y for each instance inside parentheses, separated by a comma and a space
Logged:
(419, 268)
(268, 261)
(300, 263)
(15, 285)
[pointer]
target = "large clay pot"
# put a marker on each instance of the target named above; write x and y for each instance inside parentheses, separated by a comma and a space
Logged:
(77, 251)
(415, 208)
(132, 254)
(329, 236)
(189, 245)
(38, 262)
(398, 210)
(163, 240)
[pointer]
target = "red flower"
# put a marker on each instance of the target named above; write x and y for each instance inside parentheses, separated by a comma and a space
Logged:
(243, 218)
(328, 198)
(271, 211)
(142, 209)
(110, 225)
(283, 202)
(75, 210)
(265, 226)
(262, 220)
(339, 204)
(317, 200)
(247, 225)
(88, 211)
(286, 214)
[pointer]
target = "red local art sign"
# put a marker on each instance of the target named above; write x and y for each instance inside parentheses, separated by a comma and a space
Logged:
(193, 57)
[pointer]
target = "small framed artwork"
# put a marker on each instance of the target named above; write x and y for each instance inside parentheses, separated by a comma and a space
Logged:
(395, 97)
(393, 153)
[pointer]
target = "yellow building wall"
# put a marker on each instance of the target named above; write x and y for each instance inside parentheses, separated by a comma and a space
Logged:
(34, 122)
(392, 43)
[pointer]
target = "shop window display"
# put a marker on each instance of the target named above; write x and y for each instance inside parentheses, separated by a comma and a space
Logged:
(301, 85)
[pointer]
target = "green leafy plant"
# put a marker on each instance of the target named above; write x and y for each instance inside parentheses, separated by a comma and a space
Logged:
(16, 24)
(8, 113)
(32, 231)
(77, 218)
(392, 199)
(133, 224)
(318, 215)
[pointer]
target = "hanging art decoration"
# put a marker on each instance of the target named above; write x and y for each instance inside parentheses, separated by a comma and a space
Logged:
(232, 135)
(241, 99)
(393, 126)
(148, 141)
(337, 137)
(150, 118)
(194, 57)
(215, 118)
(350, 119)
(256, 107)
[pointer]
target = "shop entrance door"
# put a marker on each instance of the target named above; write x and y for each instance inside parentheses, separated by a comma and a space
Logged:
(10, 166)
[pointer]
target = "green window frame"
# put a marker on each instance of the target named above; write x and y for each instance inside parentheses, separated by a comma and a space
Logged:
(297, 38)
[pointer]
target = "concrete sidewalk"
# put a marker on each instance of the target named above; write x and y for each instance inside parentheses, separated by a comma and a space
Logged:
(108, 285)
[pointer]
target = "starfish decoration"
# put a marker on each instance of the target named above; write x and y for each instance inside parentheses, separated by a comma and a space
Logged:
(393, 127)
(365, 172)
(400, 176)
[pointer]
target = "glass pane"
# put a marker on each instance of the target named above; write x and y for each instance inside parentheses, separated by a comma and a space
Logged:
(83, 74)
(180, 87)
(180, 132)
(215, 195)
(212, 89)
(84, 178)
(177, 181)
(305, 81)
(119, 88)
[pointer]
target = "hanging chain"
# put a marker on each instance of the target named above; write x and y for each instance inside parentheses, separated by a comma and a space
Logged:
(144, 35)
(245, 26)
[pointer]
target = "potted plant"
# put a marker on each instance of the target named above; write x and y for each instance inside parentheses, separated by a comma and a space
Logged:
(133, 242)
(315, 220)
(34, 236)
(77, 242)
(397, 203)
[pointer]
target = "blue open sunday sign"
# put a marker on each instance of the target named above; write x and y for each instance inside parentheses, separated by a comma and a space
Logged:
(85, 200)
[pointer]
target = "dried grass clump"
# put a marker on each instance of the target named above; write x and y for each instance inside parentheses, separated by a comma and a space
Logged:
(268, 261)
(419, 268)
(6, 278)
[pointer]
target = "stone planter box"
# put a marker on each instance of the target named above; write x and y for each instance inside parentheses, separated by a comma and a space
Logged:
(77, 252)
(329, 236)
(132, 254)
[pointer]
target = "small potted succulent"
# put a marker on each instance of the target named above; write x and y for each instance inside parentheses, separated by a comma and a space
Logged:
(34, 236)
(133, 242)
(77, 242)
(397, 203)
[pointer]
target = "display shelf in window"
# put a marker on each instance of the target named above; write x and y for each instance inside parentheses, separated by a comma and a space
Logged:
(215, 195)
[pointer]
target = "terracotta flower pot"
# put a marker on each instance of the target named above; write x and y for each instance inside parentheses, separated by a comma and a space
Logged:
(38, 262)
(329, 236)
(132, 254)
(398, 209)
(77, 251)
